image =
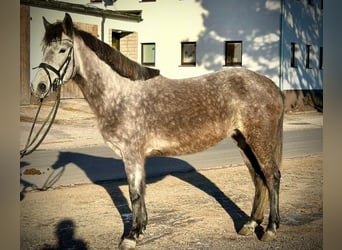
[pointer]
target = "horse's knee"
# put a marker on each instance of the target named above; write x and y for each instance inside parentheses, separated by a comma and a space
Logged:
(274, 181)
(134, 195)
(272, 175)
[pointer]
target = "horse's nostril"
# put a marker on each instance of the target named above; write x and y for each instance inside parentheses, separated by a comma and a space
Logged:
(42, 87)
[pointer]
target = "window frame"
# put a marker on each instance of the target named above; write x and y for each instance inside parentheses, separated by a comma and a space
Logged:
(320, 58)
(308, 61)
(142, 54)
(183, 63)
(232, 64)
(294, 49)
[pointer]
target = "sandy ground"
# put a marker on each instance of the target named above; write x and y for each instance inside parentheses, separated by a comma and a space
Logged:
(197, 210)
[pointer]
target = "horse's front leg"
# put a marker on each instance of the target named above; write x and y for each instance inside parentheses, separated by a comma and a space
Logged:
(135, 171)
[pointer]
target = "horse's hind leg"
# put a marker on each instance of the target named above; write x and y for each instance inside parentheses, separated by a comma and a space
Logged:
(261, 192)
(136, 181)
(263, 163)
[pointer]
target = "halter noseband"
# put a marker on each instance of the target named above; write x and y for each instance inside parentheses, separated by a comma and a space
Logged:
(59, 80)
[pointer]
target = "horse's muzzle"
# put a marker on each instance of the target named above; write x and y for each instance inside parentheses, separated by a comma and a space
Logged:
(40, 90)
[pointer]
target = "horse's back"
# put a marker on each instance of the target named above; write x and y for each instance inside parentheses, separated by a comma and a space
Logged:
(242, 84)
(231, 90)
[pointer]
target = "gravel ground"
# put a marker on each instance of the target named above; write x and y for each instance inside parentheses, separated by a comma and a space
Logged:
(196, 210)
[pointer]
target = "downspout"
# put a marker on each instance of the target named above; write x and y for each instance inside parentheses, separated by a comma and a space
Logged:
(102, 27)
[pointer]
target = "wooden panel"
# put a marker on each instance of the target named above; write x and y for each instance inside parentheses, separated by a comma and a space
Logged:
(129, 46)
(70, 88)
(25, 92)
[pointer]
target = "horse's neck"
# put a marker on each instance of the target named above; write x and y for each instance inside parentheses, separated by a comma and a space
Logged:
(100, 85)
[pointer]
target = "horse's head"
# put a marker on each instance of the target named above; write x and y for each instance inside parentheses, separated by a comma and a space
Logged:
(58, 64)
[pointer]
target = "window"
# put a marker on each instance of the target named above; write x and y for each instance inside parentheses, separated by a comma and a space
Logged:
(233, 51)
(148, 53)
(320, 57)
(116, 40)
(308, 63)
(188, 53)
(293, 55)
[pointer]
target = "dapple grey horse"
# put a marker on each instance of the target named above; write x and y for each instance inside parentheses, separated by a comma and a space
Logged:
(141, 114)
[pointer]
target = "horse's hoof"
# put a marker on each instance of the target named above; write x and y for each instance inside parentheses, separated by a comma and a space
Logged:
(248, 228)
(140, 237)
(127, 244)
(268, 236)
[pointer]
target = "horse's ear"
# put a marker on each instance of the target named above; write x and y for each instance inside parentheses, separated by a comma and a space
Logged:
(46, 23)
(68, 26)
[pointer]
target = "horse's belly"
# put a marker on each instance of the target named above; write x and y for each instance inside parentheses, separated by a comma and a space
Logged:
(186, 144)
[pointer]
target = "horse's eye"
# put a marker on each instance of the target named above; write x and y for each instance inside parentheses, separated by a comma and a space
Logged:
(62, 51)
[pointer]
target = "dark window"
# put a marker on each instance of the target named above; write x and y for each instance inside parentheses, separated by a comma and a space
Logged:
(308, 57)
(116, 40)
(148, 53)
(188, 53)
(233, 53)
(293, 55)
(320, 57)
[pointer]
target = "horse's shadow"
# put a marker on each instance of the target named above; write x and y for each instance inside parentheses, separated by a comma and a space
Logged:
(156, 169)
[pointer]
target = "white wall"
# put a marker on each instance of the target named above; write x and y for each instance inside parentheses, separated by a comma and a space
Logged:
(210, 24)
(302, 24)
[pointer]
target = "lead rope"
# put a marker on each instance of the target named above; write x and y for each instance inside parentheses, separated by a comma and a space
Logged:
(27, 150)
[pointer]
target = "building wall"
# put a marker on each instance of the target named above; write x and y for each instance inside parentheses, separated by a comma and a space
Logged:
(25, 91)
(257, 24)
(210, 24)
(167, 23)
(303, 25)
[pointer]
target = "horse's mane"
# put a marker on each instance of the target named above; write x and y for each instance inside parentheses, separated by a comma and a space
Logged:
(117, 61)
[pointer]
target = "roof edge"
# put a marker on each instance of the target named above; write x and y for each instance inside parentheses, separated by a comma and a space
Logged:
(131, 15)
